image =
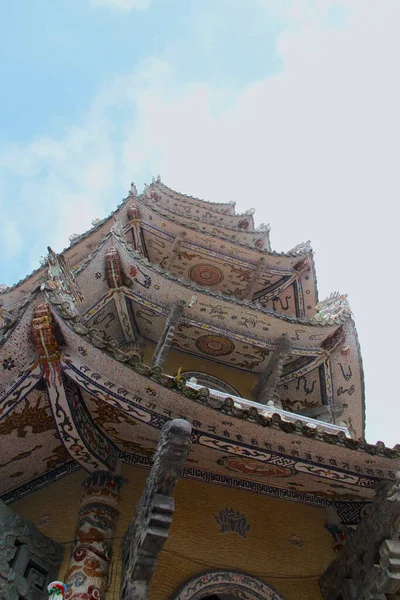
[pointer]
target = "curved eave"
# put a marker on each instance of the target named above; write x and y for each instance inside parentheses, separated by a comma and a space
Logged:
(226, 233)
(187, 198)
(97, 350)
(197, 211)
(229, 300)
(37, 276)
(258, 253)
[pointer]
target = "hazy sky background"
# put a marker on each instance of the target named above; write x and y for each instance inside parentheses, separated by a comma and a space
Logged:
(290, 107)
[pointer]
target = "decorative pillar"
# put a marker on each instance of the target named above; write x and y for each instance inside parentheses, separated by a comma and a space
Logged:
(87, 575)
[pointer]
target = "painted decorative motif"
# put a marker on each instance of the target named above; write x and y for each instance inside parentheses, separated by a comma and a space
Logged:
(35, 417)
(215, 345)
(206, 274)
(253, 467)
(294, 540)
(232, 521)
(43, 334)
(113, 268)
(230, 583)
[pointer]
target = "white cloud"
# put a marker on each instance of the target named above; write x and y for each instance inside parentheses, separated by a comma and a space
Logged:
(314, 149)
(125, 5)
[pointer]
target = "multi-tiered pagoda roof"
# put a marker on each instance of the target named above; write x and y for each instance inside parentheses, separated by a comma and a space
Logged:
(178, 307)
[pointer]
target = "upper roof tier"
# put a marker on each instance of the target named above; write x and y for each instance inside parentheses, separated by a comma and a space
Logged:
(194, 247)
(159, 195)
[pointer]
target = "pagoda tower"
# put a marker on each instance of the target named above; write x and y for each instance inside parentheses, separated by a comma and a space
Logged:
(175, 315)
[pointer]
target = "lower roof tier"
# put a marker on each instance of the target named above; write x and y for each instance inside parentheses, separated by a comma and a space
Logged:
(66, 399)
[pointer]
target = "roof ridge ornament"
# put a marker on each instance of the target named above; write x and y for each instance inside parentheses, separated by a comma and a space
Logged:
(133, 191)
(263, 228)
(301, 248)
(117, 229)
(332, 308)
(60, 276)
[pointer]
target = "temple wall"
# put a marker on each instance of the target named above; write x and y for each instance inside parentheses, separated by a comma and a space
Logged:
(242, 381)
(286, 544)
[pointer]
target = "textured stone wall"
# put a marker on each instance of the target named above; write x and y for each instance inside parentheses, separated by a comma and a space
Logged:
(281, 542)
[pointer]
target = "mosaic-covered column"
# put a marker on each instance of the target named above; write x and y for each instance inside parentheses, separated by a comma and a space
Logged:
(87, 575)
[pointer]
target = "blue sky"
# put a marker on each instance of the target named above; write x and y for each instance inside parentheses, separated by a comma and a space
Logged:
(290, 106)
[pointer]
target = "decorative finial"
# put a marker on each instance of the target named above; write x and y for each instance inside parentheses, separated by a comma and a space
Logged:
(117, 228)
(158, 180)
(301, 248)
(56, 590)
(264, 228)
(72, 238)
(133, 190)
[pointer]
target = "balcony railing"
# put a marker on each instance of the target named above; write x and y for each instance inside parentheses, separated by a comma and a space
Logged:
(270, 410)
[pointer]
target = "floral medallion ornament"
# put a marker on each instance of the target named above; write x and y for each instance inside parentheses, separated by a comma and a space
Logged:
(56, 590)
(205, 274)
(215, 345)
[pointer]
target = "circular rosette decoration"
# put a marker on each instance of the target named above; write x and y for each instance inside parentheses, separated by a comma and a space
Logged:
(215, 345)
(206, 274)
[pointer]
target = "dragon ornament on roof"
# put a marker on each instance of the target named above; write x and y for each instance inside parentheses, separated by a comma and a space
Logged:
(332, 308)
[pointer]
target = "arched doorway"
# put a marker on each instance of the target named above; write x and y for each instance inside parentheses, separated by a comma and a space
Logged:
(226, 585)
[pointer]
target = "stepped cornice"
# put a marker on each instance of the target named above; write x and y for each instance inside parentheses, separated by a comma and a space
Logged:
(301, 250)
(154, 191)
(186, 197)
(204, 226)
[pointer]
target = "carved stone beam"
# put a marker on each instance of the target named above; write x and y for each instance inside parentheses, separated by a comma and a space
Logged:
(79, 434)
(388, 573)
(167, 336)
(249, 291)
(266, 389)
(148, 532)
(127, 320)
(174, 252)
(29, 559)
(302, 265)
(357, 573)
